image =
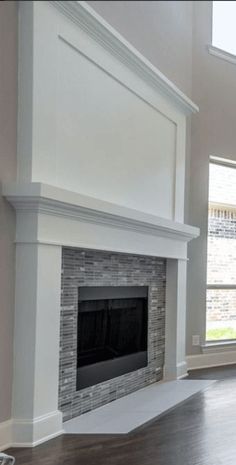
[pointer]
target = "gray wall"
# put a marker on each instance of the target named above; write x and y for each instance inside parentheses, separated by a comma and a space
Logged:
(213, 133)
(8, 97)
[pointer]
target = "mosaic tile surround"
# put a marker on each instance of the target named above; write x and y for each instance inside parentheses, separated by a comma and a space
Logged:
(95, 268)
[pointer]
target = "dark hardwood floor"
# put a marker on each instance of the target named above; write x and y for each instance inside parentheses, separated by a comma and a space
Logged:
(200, 431)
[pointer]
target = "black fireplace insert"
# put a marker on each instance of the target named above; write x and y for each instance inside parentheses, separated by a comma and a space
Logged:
(112, 332)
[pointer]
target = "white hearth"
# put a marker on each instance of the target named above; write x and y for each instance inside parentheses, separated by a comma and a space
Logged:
(101, 165)
(137, 409)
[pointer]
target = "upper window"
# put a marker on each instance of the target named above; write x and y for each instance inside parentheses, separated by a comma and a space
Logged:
(223, 26)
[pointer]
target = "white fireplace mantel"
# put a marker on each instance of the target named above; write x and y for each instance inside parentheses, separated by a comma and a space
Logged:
(49, 218)
(101, 165)
(78, 215)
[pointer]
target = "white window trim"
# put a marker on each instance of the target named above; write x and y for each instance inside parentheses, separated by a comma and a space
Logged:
(221, 286)
(218, 346)
(224, 345)
(222, 54)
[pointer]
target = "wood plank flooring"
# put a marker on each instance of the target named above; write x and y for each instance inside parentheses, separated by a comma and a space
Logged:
(201, 431)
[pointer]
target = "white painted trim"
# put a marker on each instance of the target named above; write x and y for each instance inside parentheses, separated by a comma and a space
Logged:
(213, 347)
(149, 100)
(42, 198)
(215, 359)
(175, 361)
(186, 375)
(221, 286)
(5, 435)
(87, 19)
(178, 371)
(37, 443)
(98, 43)
(219, 53)
(32, 432)
(104, 247)
(222, 161)
(182, 370)
(155, 104)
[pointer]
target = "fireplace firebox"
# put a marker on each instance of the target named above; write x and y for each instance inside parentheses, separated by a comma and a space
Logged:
(112, 332)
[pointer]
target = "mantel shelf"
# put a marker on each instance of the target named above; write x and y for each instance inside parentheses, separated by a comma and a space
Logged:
(48, 199)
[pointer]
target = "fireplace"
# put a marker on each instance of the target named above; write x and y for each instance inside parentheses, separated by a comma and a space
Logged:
(112, 335)
(110, 214)
(112, 332)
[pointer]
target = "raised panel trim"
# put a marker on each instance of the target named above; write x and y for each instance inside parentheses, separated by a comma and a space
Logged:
(135, 90)
(149, 99)
(96, 27)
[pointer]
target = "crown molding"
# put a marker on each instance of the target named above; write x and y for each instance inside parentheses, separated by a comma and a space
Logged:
(51, 200)
(102, 32)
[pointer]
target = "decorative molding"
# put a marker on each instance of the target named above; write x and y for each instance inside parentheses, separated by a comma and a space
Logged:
(195, 362)
(112, 75)
(5, 434)
(50, 200)
(219, 53)
(83, 15)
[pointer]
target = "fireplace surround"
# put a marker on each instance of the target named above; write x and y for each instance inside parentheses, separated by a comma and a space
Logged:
(90, 276)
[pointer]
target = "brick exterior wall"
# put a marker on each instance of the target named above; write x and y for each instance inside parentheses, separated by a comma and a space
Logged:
(96, 268)
(221, 304)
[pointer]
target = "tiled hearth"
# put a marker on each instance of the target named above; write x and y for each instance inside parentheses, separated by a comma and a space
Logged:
(97, 268)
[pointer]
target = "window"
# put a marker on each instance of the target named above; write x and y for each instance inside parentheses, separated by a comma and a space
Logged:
(221, 257)
(223, 26)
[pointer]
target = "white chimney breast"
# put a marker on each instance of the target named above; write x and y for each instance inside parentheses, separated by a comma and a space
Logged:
(101, 164)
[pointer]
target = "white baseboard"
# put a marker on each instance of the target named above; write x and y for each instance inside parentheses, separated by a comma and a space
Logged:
(214, 359)
(182, 370)
(186, 375)
(176, 371)
(31, 432)
(5, 435)
(37, 443)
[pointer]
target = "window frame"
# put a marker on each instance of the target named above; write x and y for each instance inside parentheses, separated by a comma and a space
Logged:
(209, 342)
(219, 52)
